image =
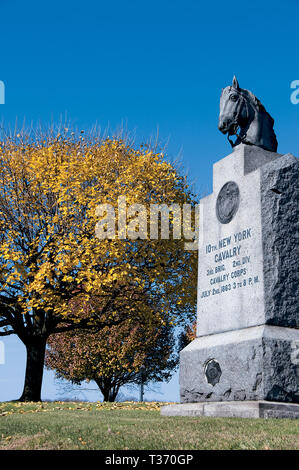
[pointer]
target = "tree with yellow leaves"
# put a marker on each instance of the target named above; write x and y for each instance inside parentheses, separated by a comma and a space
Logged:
(51, 258)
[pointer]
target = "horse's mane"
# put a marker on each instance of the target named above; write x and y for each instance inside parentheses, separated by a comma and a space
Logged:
(258, 104)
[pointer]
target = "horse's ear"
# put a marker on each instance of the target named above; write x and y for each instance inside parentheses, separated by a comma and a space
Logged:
(235, 83)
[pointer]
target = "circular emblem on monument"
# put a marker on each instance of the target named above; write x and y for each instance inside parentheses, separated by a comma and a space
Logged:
(227, 202)
(213, 372)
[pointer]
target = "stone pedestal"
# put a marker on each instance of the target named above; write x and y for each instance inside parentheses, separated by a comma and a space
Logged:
(234, 409)
(256, 363)
(248, 237)
(247, 345)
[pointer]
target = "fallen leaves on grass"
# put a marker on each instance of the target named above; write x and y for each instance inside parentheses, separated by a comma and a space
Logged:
(9, 408)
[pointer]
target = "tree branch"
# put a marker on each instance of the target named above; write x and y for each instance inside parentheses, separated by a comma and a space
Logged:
(7, 333)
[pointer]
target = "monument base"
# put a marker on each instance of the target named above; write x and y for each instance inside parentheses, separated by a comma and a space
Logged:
(253, 364)
(234, 409)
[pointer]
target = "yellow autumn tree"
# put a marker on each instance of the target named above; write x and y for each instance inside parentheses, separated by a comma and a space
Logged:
(50, 256)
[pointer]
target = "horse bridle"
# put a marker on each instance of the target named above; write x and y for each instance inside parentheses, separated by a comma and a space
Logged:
(238, 113)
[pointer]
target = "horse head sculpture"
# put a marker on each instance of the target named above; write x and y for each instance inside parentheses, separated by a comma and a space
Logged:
(243, 115)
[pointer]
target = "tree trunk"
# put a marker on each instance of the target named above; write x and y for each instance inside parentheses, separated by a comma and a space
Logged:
(107, 389)
(34, 370)
(107, 396)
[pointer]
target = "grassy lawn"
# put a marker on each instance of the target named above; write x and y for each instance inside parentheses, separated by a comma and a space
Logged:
(128, 425)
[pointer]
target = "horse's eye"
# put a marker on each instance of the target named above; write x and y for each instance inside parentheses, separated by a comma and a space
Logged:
(234, 97)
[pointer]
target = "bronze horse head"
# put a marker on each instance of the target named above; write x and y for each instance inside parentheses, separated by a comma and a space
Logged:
(243, 115)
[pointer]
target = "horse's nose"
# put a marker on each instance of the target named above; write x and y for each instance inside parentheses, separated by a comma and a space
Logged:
(222, 124)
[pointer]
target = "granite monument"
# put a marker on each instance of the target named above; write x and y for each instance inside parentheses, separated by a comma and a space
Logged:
(245, 359)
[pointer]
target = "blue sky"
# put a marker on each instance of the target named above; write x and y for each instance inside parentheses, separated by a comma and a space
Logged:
(149, 66)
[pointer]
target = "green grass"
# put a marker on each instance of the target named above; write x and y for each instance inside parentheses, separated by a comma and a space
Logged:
(127, 426)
